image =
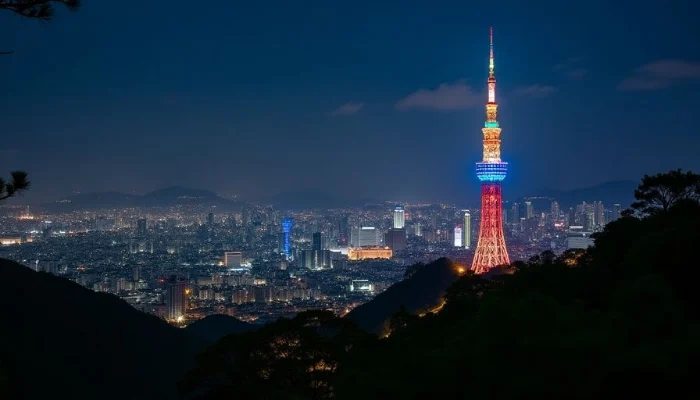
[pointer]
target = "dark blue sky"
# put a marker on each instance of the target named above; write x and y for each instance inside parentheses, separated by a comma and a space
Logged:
(360, 99)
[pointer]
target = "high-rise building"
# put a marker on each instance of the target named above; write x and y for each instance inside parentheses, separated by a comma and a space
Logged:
(317, 241)
(316, 259)
(555, 209)
(141, 227)
(233, 259)
(515, 213)
(176, 299)
(616, 211)
(396, 239)
(467, 230)
(285, 245)
(491, 171)
(365, 236)
(399, 217)
(458, 236)
(529, 210)
(599, 210)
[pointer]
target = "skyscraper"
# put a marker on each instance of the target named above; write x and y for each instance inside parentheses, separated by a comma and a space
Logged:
(467, 230)
(529, 210)
(317, 241)
(176, 299)
(141, 227)
(286, 233)
(399, 217)
(491, 171)
(458, 236)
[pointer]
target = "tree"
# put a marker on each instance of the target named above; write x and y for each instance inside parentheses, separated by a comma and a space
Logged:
(18, 184)
(662, 191)
(37, 9)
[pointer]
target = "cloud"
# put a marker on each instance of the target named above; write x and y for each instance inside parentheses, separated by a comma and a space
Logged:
(661, 74)
(536, 90)
(571, 68)
(446, 97)
(348, 108)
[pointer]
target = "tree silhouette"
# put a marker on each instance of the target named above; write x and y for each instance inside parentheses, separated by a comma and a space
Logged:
(660, 192)
(18, 184)
(43, 10)
(37, 9)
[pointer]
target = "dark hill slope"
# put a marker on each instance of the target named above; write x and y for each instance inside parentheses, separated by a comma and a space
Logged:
(422, 290)
(214, 327)
(62, 340)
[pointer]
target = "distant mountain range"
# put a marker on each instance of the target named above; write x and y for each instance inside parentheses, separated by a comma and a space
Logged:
(170, 196)
(621, 192)
(609, 193)
(312, 199)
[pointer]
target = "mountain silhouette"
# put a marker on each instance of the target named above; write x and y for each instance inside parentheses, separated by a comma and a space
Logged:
(421, 291)
(214, 327)
(62, 340)
(166, 197)
(620, 192)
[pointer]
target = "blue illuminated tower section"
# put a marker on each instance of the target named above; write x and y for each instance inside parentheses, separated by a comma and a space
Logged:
(286, 232)
(491, 171)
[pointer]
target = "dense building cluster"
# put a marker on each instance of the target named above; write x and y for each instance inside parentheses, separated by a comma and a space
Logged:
(258, 263)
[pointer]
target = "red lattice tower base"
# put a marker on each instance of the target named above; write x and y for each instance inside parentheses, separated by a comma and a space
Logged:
(491, 248)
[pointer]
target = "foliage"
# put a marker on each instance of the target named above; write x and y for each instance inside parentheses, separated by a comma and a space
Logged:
(620, 319)
(37, 9)
(660, 192)
(18, 184)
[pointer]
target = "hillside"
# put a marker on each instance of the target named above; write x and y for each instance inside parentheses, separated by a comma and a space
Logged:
(214, 327)
(62, 340)
(422, 290)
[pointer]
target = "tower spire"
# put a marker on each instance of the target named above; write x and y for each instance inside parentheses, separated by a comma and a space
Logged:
(491, 71)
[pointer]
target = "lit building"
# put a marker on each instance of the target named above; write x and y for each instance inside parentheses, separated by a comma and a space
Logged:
(491, 171)
(176, 299)
(361, 285)
(529, 210)
(458, 236)
(369, 253)
(399, 217)
(578, 238)
(6, 241)
(233, 259)
(316, 259)
(467, 230)
(395, 239)
(285, 245)
(365, 236)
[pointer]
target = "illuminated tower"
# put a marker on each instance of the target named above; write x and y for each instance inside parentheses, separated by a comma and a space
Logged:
(491, 171)
(286, 233)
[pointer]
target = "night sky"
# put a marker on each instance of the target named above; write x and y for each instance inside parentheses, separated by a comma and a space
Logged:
(359, 99)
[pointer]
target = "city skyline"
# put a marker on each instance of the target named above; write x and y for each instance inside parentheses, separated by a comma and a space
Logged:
(192, 109)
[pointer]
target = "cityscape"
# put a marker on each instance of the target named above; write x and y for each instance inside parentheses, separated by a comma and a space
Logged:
(183, 263)
(341, 201)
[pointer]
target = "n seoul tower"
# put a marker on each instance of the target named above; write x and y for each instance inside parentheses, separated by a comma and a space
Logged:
(491, 171)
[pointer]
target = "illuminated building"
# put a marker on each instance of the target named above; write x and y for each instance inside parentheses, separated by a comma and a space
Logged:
(6, 241)
(491, 171)
(233, 259)
(176, 299)
(316, 259)
(361, 285)
(458, 236)
(399, 217)
(529, 211)
(467, 230)
(286, 232)
(365, 236)
(369, 253)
